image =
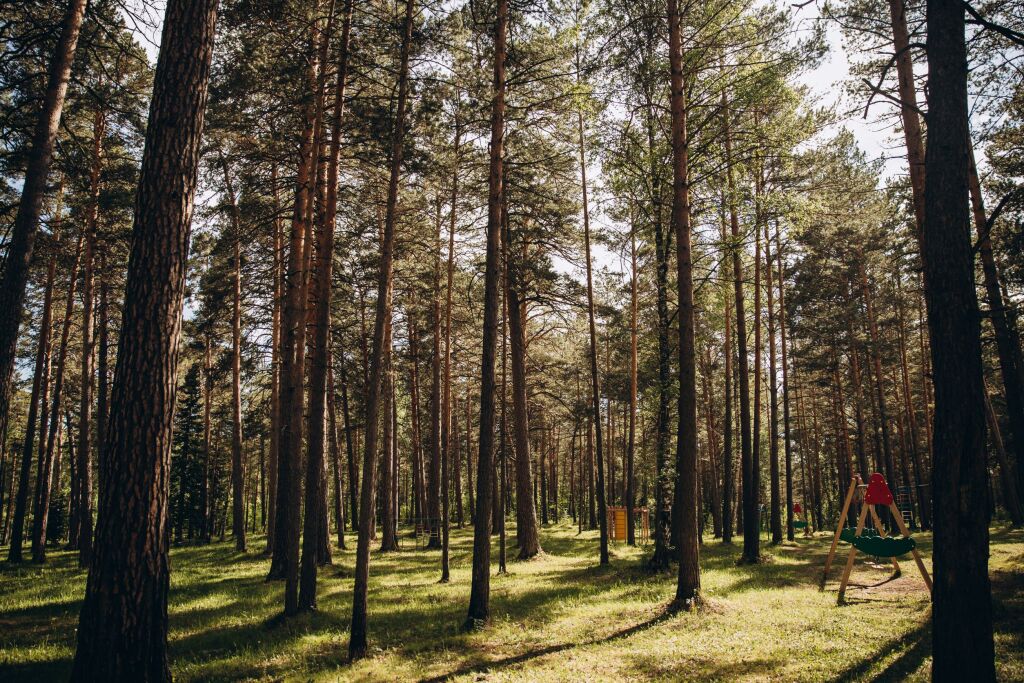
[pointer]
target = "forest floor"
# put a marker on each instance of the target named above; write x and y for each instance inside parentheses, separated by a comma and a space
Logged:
(556, 617)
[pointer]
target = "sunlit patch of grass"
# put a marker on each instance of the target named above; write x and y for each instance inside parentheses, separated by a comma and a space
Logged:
(557, 617)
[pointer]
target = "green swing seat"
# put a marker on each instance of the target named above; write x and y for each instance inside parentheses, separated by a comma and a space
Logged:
(849, 533)
(877, 546)
(799, 525)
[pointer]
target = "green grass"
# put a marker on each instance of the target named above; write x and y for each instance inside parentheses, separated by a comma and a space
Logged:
(558, 617)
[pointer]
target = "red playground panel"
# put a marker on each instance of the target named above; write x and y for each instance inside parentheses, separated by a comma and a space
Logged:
(878, 492)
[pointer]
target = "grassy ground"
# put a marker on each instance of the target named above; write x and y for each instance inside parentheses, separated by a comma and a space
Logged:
(558, 617)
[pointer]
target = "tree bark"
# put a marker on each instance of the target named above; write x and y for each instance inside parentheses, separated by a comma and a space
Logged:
(687, 476)
(237, 474)
(479, 599)
(320, 356)
(773, 393)
(273, 456)
(631, 443)
(595, 385)
(122, 632)
(962, 644)
(527, 536)
(382, 321)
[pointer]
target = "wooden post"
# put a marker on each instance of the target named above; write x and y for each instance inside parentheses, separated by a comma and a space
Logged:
(852, 555)
(917, 556)
(839, 528)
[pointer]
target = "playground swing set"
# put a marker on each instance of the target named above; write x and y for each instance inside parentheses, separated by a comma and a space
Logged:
(871, 541)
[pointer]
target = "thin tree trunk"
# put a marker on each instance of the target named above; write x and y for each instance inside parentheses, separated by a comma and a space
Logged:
(52, 454)
(631, 444)
(602, 516)
(277, 273)
(773, 393)
(382, 320)
(30, 206)
(787, 432)
(237, 474)
(751, 537)
(284, 562)
(40, 380)
(313, 535)
(479, 600)
(527, 536)
(687, 475)
(447, 445)
(727, 447)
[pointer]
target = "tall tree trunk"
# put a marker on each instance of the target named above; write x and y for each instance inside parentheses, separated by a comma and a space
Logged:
(122, 633)
(908, 405)
(751, 537)
(787, 432)
(876, 359)
(1007, 339)
(962, 645)
(773, 393)
(527, 536)
(84, 502)
(631, 444)
(448, 446)
(479, 599)
(388, 472)
(434, 478)
(381, 323)
(33, 191)
(687, 476)
(278, 274)
(313, 535)
(40, 379)
(284, 563)
(417, 451)
(51, 455)
(661, 558)
(595, 385)
(349, 447)
(728, 481)
(237, 474)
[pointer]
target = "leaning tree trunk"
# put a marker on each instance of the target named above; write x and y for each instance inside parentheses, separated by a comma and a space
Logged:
(688, 586)
(33, 191)
(962, 645)
(122, 632)
(480, 592)
(381, 323)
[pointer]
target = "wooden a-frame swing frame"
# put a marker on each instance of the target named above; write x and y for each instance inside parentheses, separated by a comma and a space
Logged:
(857, 489)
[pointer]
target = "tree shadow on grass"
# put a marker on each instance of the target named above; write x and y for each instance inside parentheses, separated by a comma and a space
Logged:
(913, 648)
(483, 667)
